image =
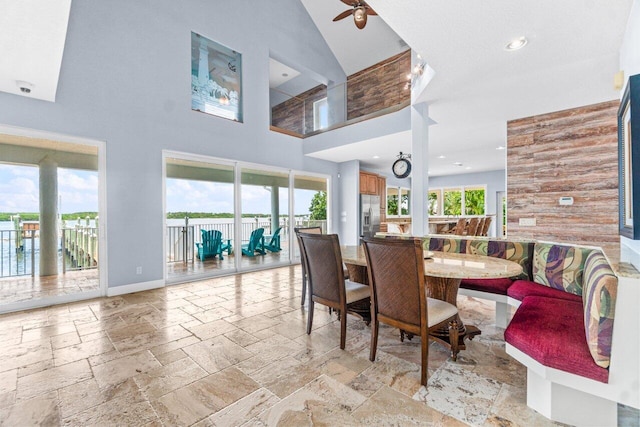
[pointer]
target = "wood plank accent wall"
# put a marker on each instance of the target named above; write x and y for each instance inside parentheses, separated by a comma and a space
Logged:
(379, 86)
(296, 114)
(566, 153)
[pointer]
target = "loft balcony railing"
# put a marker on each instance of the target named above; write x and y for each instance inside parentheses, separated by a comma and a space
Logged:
(374, 92)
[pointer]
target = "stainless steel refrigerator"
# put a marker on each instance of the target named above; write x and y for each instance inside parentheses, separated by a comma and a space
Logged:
(369, 215)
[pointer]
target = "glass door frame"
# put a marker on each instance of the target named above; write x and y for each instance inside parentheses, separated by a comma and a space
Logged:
(238, 167)
(102, 213)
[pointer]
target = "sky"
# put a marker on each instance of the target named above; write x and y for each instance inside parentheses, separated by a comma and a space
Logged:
(19, 189)
(199, 196)
(78, 192)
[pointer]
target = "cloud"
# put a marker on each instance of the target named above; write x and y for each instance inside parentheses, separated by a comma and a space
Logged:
(19, 189)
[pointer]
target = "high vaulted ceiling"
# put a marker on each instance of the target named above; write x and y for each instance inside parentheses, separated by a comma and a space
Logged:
(478, 86)
(569, 61)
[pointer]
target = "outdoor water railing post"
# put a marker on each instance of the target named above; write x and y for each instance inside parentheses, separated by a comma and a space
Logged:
(33, 253)
(64, 248)
(185, 240)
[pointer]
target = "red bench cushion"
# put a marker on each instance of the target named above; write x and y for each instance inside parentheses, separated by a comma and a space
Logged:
(493, 286)
(524, 288)
(551, 331)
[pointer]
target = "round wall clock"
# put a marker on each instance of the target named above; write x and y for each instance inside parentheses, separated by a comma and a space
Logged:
(401, 168)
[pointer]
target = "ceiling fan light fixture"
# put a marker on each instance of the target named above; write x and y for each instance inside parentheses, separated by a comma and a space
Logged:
(360, 16)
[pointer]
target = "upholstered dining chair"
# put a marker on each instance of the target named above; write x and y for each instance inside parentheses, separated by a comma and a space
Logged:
(303, 263)
(326, 281)
(399, 295)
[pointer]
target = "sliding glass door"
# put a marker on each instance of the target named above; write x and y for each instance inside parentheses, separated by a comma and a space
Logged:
(200, 217)
(224, 216)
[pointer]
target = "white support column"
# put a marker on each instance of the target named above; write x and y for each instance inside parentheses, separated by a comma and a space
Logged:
(420, 169)
(48, 217)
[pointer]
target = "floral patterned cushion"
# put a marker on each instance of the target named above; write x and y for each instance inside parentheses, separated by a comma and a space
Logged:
(559, 267)
(518, 251)
(444, 244)
(599, 302)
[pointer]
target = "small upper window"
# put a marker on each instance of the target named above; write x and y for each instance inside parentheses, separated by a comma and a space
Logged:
(320, 114)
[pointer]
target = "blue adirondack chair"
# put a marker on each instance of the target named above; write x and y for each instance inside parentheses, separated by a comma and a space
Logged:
(274, 241)
(211, 244)
(256, 243)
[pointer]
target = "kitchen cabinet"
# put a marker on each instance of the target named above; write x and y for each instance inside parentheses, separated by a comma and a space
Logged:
(368, 183)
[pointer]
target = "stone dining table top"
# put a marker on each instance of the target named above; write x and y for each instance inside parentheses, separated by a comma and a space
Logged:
(449, 265)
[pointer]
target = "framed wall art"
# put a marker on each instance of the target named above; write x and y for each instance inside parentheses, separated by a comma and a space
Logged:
(629, 158)
(216, 79)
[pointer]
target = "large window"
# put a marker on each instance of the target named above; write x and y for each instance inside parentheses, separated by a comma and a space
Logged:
(226, 216)
(435, 202)
(398, 199)
(49, 219)
(474, 201)
(457, 201)
(452, 201)
(199, 205)
(310, 204)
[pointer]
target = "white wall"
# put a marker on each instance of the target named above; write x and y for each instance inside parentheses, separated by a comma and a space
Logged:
(630, 64)
(125, 79)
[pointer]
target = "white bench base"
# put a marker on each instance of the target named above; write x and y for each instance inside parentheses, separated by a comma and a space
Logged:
(557, 394)
(568, 405)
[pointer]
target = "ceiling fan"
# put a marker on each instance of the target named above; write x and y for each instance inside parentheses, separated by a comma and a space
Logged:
(360, 11)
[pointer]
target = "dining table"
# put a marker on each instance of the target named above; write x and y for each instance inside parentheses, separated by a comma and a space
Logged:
(443, 273)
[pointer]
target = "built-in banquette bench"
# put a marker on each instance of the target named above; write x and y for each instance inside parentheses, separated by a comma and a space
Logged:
(580, 363)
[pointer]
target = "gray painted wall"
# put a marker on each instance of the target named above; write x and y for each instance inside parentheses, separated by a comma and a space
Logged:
(349, 202)
(125, 79)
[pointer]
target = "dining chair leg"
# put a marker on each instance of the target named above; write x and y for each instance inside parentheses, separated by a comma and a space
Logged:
(310, 316)
(304, 289)
(425, 362)
(374, 339)
(343, 329)
(453, 339)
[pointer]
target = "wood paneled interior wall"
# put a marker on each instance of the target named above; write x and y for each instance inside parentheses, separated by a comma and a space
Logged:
(380, 86)
(566, 153)
(296, 114)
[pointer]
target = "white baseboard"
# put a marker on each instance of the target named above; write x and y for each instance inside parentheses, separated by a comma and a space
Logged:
(49, 301)
(135, 287)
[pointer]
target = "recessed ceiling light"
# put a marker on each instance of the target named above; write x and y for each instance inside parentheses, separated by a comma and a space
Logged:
(442, 157)
(500, 147)
(516, 44)
(468, 167)
(457, 163)
(376, 157)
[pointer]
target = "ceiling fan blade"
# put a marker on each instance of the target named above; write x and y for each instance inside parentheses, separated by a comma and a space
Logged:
(343, 15)
(351, 3)
(370, 11)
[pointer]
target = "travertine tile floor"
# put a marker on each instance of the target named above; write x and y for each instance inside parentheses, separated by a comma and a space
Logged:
(233, 351)
(26, 288)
